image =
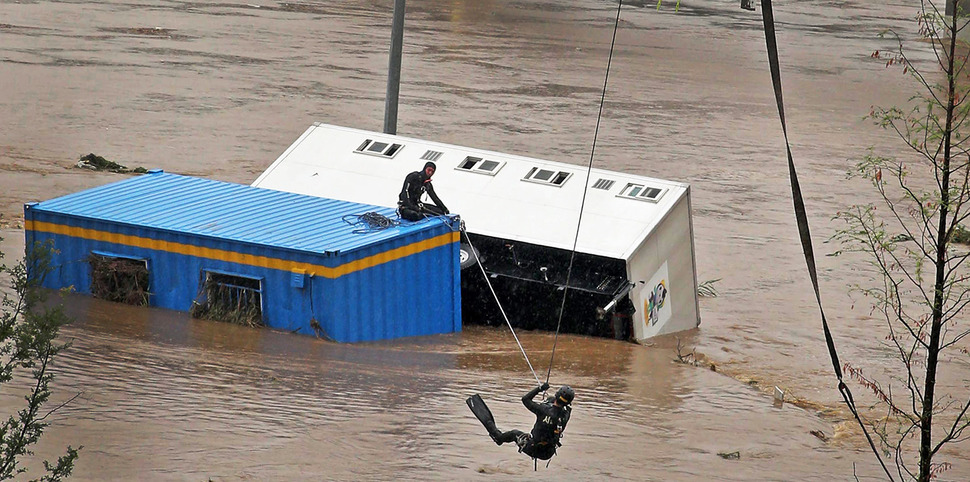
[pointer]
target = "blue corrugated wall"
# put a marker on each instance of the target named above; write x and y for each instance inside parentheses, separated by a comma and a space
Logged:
(417, 294)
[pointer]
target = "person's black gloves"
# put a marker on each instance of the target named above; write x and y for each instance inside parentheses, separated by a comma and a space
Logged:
(544, 386)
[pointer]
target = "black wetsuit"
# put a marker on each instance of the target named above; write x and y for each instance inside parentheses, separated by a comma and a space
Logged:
(551, 420)
(409, 202)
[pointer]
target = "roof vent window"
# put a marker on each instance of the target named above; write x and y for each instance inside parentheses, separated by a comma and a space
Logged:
(545, 176)
(605, 184)
(382, 149)
(431, 156)
(642, 192)
(481, 166)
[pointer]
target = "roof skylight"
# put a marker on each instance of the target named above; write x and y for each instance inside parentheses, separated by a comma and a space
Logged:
(480, 165)
(377, 148)
(546, 176)
(642, 192)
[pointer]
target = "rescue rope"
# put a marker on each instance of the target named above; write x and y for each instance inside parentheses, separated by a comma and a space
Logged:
(589, 170)
(802, 221)
(369, 222)
(478, 261)
(572, 256)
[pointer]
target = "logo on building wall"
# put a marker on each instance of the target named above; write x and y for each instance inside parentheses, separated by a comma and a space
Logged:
(656, 301)
(657, 307)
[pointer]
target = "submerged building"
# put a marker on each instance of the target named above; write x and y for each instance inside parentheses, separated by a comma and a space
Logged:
(294, 262)
(633, 272)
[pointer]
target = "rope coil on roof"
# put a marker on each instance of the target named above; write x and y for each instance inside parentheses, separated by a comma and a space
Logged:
(369, 222)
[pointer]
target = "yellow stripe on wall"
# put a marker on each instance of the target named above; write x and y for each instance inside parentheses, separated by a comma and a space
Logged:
(242, 258)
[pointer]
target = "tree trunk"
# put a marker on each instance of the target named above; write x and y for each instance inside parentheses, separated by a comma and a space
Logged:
(933, 349)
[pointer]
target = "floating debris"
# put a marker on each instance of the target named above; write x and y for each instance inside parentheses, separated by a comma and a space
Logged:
(95, 162)
(159, 32)
(707, 289)
(120, 280)
(685, 358)
(16, 223)
(960, 235)
(230, 299)
(729, 455)
(820, 434)
(901, 238)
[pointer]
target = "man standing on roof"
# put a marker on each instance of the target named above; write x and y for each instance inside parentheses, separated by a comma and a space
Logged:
(551, 419)
(416, 184)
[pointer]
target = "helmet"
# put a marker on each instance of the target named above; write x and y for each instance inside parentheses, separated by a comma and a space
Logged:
(565, 395)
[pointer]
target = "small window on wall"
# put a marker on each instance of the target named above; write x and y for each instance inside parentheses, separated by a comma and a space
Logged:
(229, 297)
(119, 278)
(480, 165)
(377, 148)
(546, 176)
(642, 192)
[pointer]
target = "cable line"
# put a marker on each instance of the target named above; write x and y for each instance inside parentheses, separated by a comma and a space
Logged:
(572, 255)
(499, 303)
(589, 170)
(801, 217)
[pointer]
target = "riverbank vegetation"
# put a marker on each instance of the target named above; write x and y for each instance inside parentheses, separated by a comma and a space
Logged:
(910, 235)
(29, 327)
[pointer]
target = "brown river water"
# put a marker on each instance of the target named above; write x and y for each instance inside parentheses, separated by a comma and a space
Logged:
(220, 89)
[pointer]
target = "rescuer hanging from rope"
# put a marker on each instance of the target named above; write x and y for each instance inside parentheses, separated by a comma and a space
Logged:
(551, 419)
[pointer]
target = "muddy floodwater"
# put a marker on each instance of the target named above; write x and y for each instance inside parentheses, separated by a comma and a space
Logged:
(220, 89)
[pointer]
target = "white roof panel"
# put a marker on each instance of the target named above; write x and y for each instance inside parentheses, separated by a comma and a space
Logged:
(323, 162)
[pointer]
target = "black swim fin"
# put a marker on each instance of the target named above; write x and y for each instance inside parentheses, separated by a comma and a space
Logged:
(484, 415)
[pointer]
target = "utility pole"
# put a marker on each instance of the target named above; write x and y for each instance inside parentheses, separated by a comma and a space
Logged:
(394, 69)
(951, 4)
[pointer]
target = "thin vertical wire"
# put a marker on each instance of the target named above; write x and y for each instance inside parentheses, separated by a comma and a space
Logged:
(589, 170)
